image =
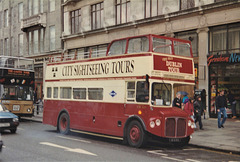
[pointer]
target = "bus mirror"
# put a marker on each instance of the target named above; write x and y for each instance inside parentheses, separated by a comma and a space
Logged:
(147, 78)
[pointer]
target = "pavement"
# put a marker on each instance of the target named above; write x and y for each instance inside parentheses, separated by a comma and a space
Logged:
(225, 139)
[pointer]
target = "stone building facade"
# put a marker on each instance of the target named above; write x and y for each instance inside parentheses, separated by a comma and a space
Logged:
(213, 26)
(32, 29)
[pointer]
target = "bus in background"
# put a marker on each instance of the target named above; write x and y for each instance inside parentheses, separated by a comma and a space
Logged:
(126, 94)
(17, 85)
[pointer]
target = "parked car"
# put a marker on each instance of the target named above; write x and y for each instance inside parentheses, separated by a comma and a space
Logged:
(1, 143)
(8, 121)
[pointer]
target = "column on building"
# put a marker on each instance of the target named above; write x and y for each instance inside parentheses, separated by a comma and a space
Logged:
(202, 65)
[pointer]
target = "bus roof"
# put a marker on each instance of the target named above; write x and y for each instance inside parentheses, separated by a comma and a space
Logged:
(17, 63)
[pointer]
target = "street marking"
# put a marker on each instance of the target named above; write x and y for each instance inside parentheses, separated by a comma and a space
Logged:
(73, 139)
(170, 158)
(193, 160)
(77, 150)
(157, 152)
(20, 128)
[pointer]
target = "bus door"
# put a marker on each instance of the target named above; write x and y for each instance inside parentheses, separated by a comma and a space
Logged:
(137, 96)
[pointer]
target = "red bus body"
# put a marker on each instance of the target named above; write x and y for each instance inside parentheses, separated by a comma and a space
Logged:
(112, 87)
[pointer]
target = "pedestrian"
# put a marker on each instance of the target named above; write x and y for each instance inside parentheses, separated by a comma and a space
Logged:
(188, 108)
(221, 104)
(177, 101)
(203, 99)
(233, 103)
(198, 111)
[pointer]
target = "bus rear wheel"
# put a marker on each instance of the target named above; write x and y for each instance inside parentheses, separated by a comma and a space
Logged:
(136, 136)
(63, 123)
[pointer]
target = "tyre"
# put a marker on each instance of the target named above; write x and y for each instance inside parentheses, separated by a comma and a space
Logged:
(14, 130)
(136, 136)
(63, 123)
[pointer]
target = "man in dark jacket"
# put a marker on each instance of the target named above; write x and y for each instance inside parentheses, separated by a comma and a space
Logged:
(198, 110)
(221, 104)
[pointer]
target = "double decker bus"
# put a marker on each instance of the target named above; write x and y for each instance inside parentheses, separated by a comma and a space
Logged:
(17, 85)
(127, 93)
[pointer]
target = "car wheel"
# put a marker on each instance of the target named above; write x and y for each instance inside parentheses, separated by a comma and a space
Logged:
(13, 130)
(63, 123)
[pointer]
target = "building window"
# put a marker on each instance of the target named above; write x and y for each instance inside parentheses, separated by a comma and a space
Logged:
(225, 39)
(5, 18)
(75, 21)
(1, 47)
(1, 20)
(6, 47)
(97, 15)
(51, 5)
(20, 12)
(35, 7)
(186, 4)
(20, 44)
(30, 43)
(122, 11)
(193, 37)
(42, 35)
(29, 7)
(52, 37)
(41, 6)
(35, 41)
(153, 8)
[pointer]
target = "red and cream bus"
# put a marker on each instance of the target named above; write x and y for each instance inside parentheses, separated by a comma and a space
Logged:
(127, 93)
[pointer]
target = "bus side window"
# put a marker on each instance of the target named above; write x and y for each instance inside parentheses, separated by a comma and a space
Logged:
(137, 45)
(79, 93)
(49, 92)
(142, 91)
(130, 91)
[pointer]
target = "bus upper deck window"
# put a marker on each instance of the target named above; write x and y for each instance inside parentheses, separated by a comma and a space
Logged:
(182, 49)
(137, 45)
(117, 48)
(162, 45)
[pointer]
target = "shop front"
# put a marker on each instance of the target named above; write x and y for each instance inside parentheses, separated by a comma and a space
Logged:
(224, 74)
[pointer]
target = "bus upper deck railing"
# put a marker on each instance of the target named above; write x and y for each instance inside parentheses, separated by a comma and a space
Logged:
(20, 63)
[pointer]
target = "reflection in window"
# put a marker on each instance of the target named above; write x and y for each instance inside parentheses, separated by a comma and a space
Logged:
(117, 48)
(95, 93)
(161, 94)
(142, 94)
(138, 45)
(162, 45)
(65, 92)
(79, 93)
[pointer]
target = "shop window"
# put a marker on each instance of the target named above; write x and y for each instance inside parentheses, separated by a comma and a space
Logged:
(79, 93)
(49, 92)
(65, 92)
(95, 93)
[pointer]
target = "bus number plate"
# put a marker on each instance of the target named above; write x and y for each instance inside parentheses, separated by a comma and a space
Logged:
(16, 107)
(174, 140)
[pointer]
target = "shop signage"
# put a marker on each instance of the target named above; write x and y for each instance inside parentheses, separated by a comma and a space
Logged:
(224, 58)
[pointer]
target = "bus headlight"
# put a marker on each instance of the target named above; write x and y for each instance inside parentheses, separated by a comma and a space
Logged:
(158, 122)
(152, 124)
(28, 110)
(189, 123)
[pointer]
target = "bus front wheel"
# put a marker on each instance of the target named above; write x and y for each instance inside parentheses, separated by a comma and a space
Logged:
(136, 136)
(63, 123)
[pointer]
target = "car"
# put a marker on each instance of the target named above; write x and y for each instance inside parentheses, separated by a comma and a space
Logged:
(1, 143)
(8, 121)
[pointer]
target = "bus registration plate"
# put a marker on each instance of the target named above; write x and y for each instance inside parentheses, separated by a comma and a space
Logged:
(16, 107)
(174, 140)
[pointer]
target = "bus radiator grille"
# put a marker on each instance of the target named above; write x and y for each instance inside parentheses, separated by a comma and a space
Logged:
(175, 127)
